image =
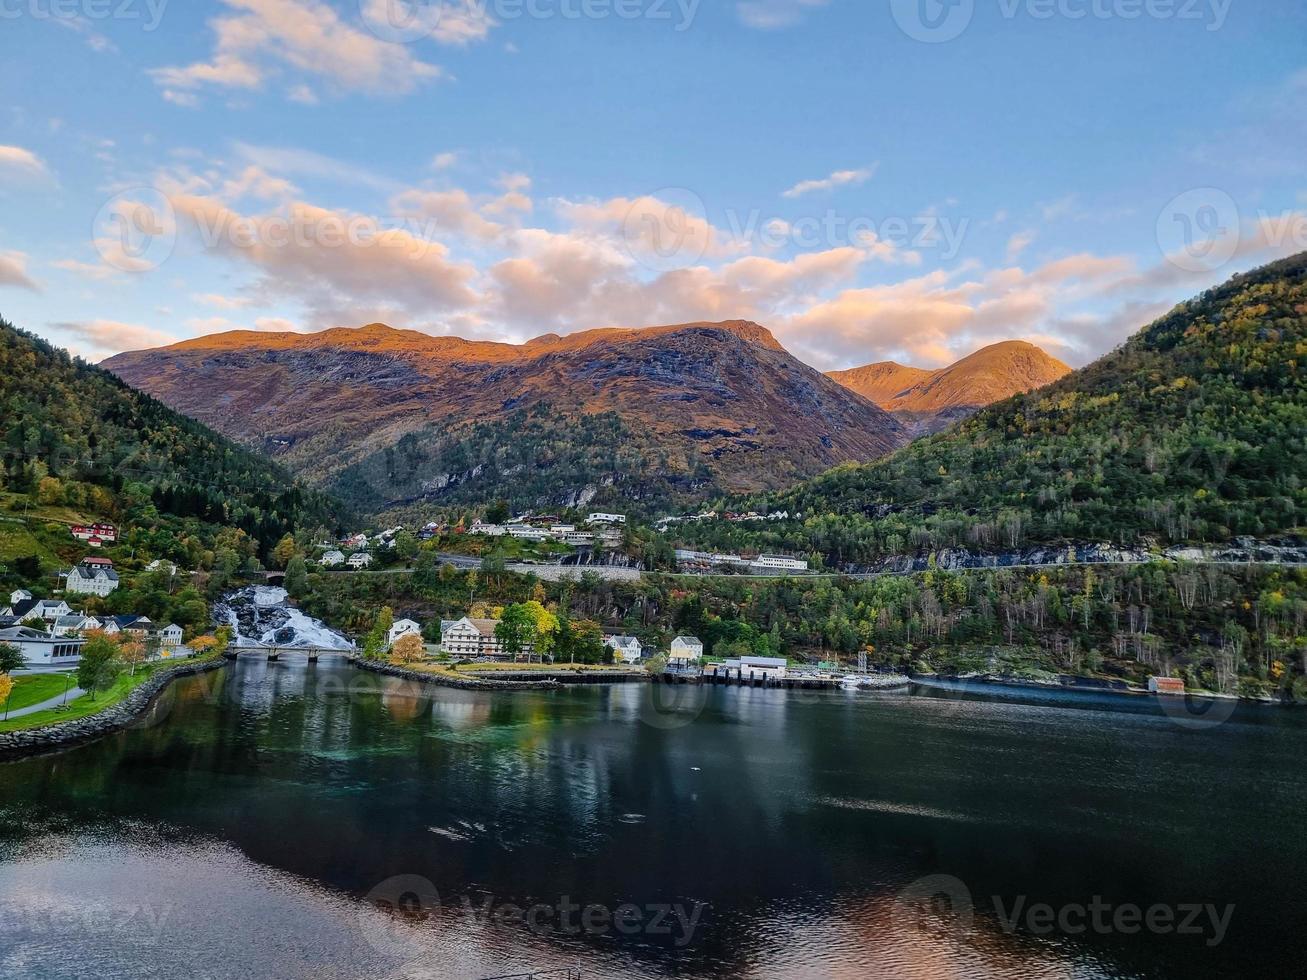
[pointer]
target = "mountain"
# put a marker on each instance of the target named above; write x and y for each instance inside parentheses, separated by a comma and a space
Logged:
(78, 440)
(394, 418)
(928, 401)
(1194, 430)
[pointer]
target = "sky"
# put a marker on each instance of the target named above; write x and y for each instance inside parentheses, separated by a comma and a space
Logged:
(870, 179)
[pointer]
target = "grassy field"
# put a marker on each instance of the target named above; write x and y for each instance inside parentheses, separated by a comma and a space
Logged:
(85, 706)
(33, 689)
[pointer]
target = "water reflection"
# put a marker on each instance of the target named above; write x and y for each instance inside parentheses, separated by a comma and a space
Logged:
(274, 806)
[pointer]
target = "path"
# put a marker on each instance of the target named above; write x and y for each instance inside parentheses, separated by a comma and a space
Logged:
(31, 709)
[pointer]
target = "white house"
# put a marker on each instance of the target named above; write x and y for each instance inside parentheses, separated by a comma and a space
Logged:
(686, 650)
(19, 595)
(361, 560)
(488, 530)
(606, 519)
(403, 627)
(170, 637)
(94, 576)
(50, 610)
(41, 648)
(161, 565)
(75, 625)
(331, 559)
(468, 637)
(626, 649)
(137, 626)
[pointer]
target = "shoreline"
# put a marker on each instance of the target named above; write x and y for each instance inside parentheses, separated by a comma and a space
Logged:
(929, 680)
(112, 718)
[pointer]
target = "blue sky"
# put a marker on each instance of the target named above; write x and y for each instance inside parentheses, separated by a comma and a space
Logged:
(897, 179)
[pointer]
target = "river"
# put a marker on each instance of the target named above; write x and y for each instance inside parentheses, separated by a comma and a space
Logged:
(287, 820)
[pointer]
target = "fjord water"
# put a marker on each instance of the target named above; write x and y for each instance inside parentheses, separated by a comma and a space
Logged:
(259, 822)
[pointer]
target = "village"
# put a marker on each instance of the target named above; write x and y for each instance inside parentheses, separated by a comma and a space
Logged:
(50, 632)
(592, 534)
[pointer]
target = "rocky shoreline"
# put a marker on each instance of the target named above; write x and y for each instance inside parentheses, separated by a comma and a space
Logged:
(507, 680)
(468, 684)
(48, 738)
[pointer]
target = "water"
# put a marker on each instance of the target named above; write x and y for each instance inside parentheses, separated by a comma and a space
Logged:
(262, 615)
(263, 819)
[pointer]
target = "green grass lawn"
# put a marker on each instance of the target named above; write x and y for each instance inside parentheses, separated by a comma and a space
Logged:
(33, 689)
(85, 706)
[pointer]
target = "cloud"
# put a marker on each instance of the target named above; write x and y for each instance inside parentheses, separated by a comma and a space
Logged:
(766, 15)
(302, 94)
(97, 339)
(264, 37)
(87, 270)
(329, 260)
(306, 163)
(24, 162)
(13, 272)
(840, 178)
(443, 161)
(453, 213)
(1018, 243)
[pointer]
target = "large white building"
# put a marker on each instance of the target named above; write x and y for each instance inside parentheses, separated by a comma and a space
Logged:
(94, 576)
(781, 563)
(331, 559)
(360, 560)
(468, 637)
(42, 649)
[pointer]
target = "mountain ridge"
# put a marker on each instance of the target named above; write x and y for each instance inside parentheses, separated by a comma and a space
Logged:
(404, 417)
(927, 400)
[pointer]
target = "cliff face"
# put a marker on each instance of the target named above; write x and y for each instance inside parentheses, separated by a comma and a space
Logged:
(401, 416)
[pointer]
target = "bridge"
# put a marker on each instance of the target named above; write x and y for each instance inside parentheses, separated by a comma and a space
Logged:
(273, 653)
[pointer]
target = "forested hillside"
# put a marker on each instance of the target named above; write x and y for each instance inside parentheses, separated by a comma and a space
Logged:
(1195, 430)
(1233, 629)
(79, 442)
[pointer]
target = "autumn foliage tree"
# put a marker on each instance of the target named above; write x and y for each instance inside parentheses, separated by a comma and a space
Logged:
(407, 649)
